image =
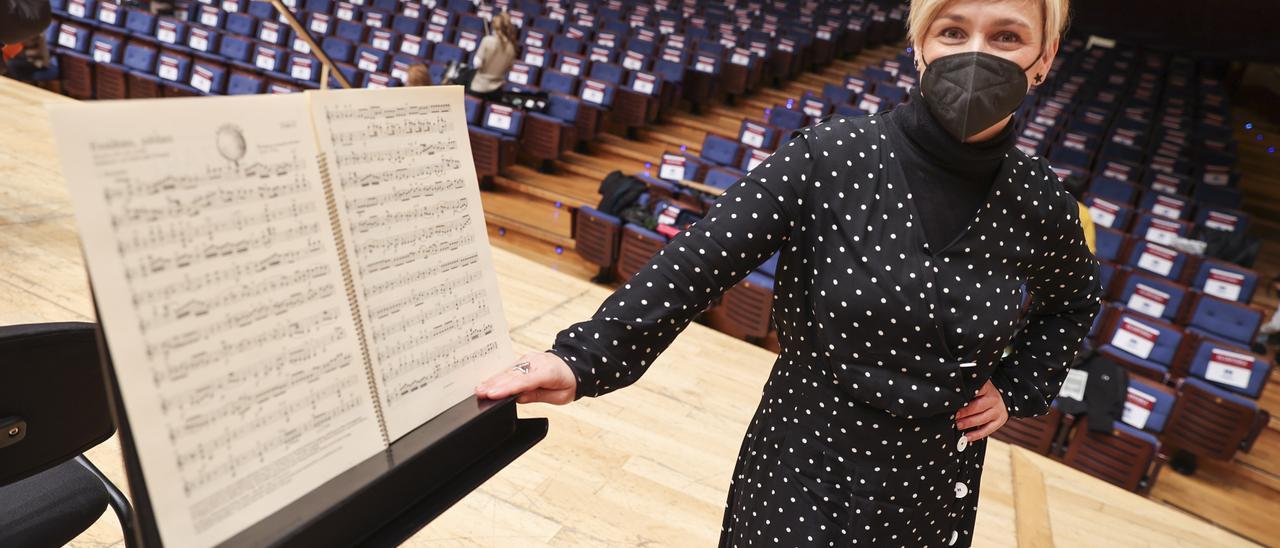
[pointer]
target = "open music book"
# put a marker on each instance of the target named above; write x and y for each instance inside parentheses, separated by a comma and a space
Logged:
(287, 283)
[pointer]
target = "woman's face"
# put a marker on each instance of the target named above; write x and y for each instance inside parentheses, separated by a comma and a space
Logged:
(1012, 29)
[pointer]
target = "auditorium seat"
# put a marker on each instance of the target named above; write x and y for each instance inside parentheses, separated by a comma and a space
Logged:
(1226, 366)
(596, 236)
(110, 82)
(1144, 345)
(1151, 295)
(1228, 320)
(1125, 456)
(1108, 213)
(1148, 404)
(1225, 280)
(1038, 434)
(744, 309)
(1212, 422)
(636, 246)
(1154, 258)
(548, 135)
(244, 83)
(1111, 244)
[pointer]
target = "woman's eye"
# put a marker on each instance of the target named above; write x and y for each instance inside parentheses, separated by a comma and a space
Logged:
(953, 34)
(1008, 37)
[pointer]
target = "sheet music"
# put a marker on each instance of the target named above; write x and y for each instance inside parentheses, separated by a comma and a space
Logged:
(401, 169)
(213, 260)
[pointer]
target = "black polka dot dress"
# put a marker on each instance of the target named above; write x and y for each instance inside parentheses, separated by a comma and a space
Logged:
(882, 338)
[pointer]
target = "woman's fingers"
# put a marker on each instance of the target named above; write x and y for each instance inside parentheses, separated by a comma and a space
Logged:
(981, 418)
(548, 380)
(983, 432)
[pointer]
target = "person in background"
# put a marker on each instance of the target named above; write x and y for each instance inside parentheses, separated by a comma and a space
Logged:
(493, 58)
(418, 76)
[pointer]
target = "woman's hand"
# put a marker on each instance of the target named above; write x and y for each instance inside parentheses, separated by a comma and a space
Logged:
(986, 411)
(549, 380)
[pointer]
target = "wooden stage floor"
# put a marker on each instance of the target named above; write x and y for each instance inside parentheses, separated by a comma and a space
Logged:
(648, 465)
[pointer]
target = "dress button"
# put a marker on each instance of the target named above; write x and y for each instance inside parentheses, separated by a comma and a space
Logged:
(954, 535)
(962, 443)
(961, 489)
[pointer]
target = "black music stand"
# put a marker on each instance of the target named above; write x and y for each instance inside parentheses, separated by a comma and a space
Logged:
(379, 502)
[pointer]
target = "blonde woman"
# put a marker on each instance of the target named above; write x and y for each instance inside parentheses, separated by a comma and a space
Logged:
(905, 238)
(494, 57)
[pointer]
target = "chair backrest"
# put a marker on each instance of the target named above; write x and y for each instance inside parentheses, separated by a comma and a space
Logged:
(596, 92)
(1236, 322)
(262, 10)
(638, 244)
(1210, 421)
(722, 177)
(209, 16)
(1221, 218)
(240, 23)
(243, 83)
(1225, 280)
(371, 59)
(1108, 213)
(140, 56)
(1148, 404)
(54, 385)
(173, 66)
(236, 48)
(1229, 367)
(447, 53)
(269, 58)
(1169, 206)
(1154, 228)
(608, 72)
(757, 135)
(140, 22)
(503, 119)
(596, 235)
(105, 48)
(208, 76)
(721, 150)
(404, 24)
(1145, 338)
(304, 67)
(746, 306)
(1121, 457)
(563, 107)
(1154, 296)
(1110, 243)
(786, 118)
(1034, 433)
(1119, 191)
(1156, 259)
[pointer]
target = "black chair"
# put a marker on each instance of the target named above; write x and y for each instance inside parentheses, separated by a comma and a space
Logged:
(53, 408)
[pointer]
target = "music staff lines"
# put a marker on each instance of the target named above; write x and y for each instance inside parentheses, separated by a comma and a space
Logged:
(396, 155)
(424, 212)
(404, 193)
(166, 312)
(188, 233)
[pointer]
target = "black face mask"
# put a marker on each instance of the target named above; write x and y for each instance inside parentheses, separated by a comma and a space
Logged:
(969, 92)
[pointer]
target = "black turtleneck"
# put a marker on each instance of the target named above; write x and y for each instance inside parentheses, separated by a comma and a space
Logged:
(949, 179)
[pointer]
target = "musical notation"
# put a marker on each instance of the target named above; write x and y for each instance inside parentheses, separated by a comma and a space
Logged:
(213, 257)
(414, 224)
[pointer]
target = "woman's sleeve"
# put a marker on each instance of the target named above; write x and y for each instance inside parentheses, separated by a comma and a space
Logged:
(750, 221)
(482, 51)
(1065, 292)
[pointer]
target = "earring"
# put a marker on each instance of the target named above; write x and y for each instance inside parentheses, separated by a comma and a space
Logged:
(1039, 78)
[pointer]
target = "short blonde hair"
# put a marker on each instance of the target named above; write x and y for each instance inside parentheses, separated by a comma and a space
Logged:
(923, 12)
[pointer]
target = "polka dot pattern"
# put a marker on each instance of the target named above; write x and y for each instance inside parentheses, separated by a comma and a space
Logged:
(883, 339)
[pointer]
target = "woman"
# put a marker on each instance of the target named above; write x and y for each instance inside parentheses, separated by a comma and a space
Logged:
(905, 240)
(493, 58)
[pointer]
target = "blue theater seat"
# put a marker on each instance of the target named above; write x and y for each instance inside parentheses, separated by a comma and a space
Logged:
(208, 77)
(1151, 295)
(243, 83)
(1154, 258)
(1145, 345)
(721, 150)
(1225, 280)
(1228, 320)
(1229, 367)
(240, 23)
(1149, 405)
(371, 59)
